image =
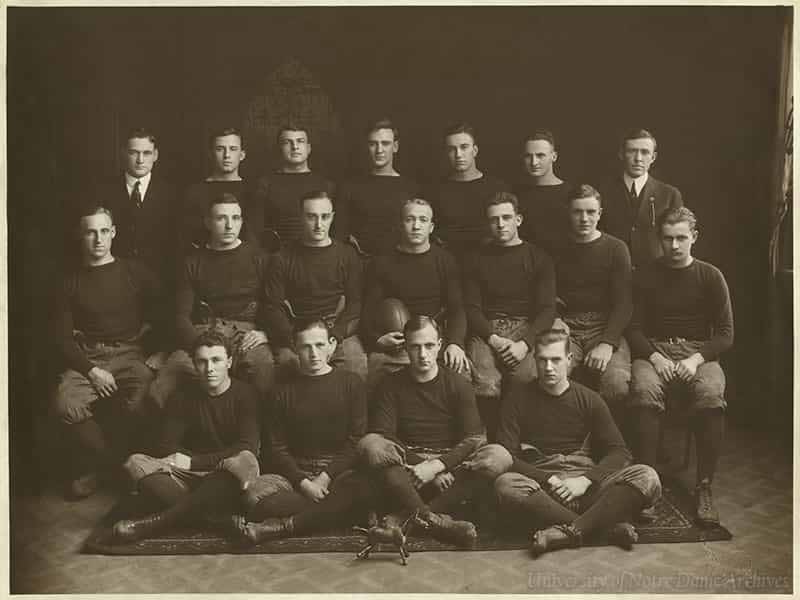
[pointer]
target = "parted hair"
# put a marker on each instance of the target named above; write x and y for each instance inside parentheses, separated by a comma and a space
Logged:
(293, 126)
(679, 214)
(420, 322)
(382, 124)
(552, 336)
(222, 132)
(541, 134)
(210, 338)
(461, 127)
(302, 325)
(140, 133)
(638, 134)
(87, 210)
(221, 198)
(409, 201)
(583, 190)
(315, 195)
(503, 198)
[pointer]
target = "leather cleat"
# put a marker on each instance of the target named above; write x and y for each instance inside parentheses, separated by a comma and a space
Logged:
(555, 538)
(647, 515)
(623, 535)
(706, 511)
(131, 530)
(83, 486)
(274, 528)
(443, 527)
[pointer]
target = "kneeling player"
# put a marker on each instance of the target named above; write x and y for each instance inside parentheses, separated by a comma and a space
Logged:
(571, 475)
(207, 450)
(426, 446)
(316, 419)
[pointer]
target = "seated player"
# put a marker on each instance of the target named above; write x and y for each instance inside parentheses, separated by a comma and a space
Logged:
(593, 278)
(682, 322)
(542, 194)
(426, 445)
(221, 286)
(368, 205)
(459, 200)
(571, 475)
(106, 307)
(509, 295)
(278, 194)
(316, 277)
(226, 149)
(316, 419)
(206, 454)
(426, 279)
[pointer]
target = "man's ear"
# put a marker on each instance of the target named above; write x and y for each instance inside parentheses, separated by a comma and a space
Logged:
(309, 148)
(229, 362)
(333, 344)
(519, 219)
(695, 235)
(555, 156)
(155, 155)
(655, 155)
(113, 231)
(396, 146)
(475, 149)
(243, 155)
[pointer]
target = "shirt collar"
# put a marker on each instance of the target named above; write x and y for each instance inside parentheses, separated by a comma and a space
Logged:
(144, 182)
(640, 182)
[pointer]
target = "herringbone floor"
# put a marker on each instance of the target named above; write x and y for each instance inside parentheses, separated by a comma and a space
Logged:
(753, 492)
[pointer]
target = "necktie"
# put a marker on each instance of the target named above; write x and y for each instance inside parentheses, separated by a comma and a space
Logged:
(633, 190)
(136, 196)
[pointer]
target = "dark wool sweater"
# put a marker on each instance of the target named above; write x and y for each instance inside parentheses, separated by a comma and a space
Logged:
(315, 417)
(560, 425)
(440, 414)
(369, 209)
(313, 280)
(544, 211)
(276, 202)
(692, 303)
(459, 211)
(596, 277)
(231, 282)
(426, 283)
(210, 428)
(509, 281)
(108, 303)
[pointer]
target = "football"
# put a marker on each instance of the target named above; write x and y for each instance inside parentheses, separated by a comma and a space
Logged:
(391, 315)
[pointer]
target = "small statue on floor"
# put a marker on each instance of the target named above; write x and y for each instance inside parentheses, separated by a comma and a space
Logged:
(385, 532)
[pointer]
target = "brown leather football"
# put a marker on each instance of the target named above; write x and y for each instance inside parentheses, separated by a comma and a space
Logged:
(391, 315)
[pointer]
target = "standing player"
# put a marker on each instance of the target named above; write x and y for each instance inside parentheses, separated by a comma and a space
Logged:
(593, 278)
(635, 200)
(682, 322)
(426, 279)
(226, 149)
(277, 196)
(206, 454)
(221, 286)
(459, 201)
(426, 446)
(107, 304)
(316, 419)
(542, 194)
(368, 205)
(316, 278)
(571, 475)
(509, 295)
(144, 207)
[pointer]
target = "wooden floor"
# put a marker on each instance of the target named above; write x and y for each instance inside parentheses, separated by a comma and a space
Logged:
(753, 492)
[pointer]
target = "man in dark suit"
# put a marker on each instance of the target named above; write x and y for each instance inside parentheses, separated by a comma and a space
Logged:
(143, 206)
(633, 202)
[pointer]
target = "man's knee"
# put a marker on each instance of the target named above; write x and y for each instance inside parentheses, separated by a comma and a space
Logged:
(509, 486)
(378, 451)
(647, 390)
(352, 356)
(615, 386)
(263, 487)
(491, 461)
(708, 386)
(645, 479)
(72, 400)
(486, 377)
(138, 466)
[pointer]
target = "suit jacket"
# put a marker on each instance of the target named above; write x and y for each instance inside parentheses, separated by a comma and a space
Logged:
(637, 229)
(148, 233)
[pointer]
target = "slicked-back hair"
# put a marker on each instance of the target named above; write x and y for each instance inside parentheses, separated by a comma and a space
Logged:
(211, 338)
(541, 134)
(679, 214)
(302, 325)
(222, 198)
(503, 198)
(293, 126)
(583, 190)
(140, 133)
(638, 134)
(420, 322)
(87, 210)
(315, 195)
(382, 124)
(461, 127)
(551, 336)
(418, 202)
(222, 132)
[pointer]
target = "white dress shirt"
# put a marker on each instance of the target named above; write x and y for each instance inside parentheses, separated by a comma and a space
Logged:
(144, 183)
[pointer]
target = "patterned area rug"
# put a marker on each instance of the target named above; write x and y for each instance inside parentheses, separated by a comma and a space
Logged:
(673, 523)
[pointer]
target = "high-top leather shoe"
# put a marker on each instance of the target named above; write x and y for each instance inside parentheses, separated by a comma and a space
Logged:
(131, 530)
(444, 528)
(555, 537)
(706, 511)
(623, 535)
(273, 528)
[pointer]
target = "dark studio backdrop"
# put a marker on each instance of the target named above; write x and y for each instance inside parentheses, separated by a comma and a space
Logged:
(703, 79)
